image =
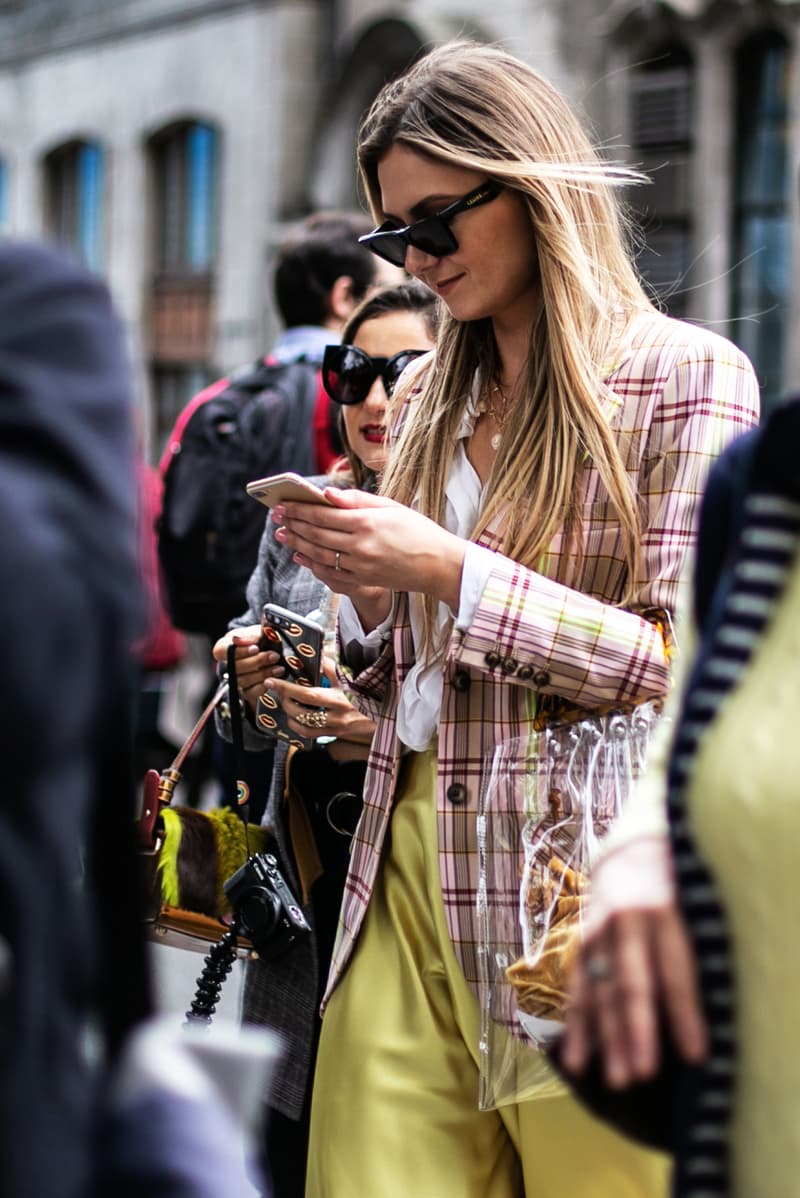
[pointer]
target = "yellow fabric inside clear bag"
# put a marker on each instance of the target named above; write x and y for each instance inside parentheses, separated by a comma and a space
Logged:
(550, 798)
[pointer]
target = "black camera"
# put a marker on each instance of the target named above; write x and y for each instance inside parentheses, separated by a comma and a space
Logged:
(266, 910)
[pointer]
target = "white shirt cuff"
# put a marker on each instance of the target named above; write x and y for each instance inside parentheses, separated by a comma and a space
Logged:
(478, 565)
(351, 629)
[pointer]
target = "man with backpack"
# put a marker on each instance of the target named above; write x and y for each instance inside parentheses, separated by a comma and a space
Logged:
(269, 416)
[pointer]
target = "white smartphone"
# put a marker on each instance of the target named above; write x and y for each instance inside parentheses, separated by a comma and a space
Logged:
(280, 487)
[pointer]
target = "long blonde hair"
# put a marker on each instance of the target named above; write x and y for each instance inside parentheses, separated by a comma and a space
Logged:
(481, 108)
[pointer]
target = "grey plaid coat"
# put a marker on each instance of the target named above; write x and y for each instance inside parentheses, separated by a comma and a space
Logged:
(282, 994)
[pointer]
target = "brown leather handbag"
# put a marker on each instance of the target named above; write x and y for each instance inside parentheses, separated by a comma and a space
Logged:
(189, 854)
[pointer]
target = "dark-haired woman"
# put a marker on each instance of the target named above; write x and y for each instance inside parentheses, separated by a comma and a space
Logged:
(384, 334)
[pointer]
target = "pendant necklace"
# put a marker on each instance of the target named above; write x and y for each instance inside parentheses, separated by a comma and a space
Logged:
(499, 414)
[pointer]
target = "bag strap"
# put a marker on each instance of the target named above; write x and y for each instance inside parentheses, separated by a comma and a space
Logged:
(159, 788)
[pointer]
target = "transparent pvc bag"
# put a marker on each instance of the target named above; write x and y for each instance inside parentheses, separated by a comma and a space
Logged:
(550, 798)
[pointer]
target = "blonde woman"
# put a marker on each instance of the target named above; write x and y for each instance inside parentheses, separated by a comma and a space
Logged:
(539, 497)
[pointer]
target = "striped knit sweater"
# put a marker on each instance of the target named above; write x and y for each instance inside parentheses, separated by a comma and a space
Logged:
(748, 543)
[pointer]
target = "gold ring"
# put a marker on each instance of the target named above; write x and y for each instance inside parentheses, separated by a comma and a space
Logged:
(338, 558)
(313, 719)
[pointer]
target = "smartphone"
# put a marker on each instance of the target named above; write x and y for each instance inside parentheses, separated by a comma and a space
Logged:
(299, 641)
(279, 487)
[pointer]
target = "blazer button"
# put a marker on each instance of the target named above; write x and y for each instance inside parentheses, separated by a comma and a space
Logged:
(492, 659)
(461, 681)
(541, 678)
(457, 794)
(508, 666)
(525, 672)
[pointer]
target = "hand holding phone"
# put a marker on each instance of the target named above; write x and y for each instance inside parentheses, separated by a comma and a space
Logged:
(299, 641)
(281, 487)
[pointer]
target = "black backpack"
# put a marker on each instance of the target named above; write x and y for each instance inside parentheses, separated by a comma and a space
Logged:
(210, 528)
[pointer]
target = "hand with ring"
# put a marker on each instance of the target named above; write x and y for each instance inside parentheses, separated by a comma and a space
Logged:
(255, 664)
(321, 711)
(359, 540)
(598, 968)
(317, 718)
(635, 972)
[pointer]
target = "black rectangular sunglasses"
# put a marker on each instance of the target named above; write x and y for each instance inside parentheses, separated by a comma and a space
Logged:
(432, 234)
(348, 373)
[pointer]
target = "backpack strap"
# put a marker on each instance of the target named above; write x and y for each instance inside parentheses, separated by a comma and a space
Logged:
(299, 383)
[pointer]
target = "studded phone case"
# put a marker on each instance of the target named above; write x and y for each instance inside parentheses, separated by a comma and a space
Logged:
(299, 642)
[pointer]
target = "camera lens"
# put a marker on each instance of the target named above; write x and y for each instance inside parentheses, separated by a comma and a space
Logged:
(258, 913)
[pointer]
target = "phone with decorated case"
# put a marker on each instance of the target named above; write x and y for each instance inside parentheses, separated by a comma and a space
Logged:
(299, 642)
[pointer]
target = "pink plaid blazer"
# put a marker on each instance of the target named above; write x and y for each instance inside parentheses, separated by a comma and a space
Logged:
(679, 395)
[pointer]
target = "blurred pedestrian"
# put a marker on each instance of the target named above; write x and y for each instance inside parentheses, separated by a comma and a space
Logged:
(70, 608)
(74, 986)
(162, 648)
(695, 893)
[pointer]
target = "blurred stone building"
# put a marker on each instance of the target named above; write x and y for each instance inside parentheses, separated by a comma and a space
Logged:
(170, 142)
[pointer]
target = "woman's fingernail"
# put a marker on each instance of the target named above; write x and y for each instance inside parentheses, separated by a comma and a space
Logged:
(278, 512)
(280, 534)
(617, 1074)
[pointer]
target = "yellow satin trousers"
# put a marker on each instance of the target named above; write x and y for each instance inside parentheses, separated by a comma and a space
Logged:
(394, 1111)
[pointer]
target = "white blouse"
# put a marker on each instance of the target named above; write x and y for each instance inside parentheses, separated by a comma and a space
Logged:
(421, 693)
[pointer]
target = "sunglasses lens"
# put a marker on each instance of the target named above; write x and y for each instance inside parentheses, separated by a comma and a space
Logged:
(433, 236)
(348, 375)
(396, 365)
(393, 248)
(387, 244)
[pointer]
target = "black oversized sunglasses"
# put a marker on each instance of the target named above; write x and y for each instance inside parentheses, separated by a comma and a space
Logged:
(432, 234)
(348, 373)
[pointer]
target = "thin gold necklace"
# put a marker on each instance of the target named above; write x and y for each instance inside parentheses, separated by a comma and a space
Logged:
(500, 414)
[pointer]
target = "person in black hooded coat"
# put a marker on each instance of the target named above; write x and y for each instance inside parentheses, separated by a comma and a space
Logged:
(84, 1109)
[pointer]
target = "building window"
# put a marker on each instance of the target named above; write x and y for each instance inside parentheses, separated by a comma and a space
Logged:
(74, 199)
(761, 273)
(662, 103)
(185, 169)
(184, 161)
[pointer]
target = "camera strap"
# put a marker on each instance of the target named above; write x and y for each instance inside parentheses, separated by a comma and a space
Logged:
(240, 798)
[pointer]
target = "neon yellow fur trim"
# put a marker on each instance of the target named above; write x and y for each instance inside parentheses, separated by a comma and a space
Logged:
(229, 832)
(168, 857)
